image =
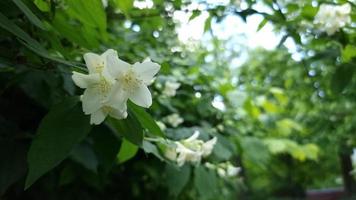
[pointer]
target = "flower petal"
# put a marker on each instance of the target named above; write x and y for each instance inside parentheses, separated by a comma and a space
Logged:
(141, 96)
(93, 61)
(84, 80)
(118, 114)
(115, 65)
(91, 101)
(146, 70)
(193, 137)
(97, 117)
(117, 98)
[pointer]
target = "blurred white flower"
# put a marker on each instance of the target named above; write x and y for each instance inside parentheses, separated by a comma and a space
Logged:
(330, 18)
(174, 119)
(189, 150)
(170, 88)
(187, 155)
(170, 153)
(232, 170)
(236, 98)
(221, 172)
(98, 84)
(161, 125)
(208, 147)
(226, 170)
(105, 3)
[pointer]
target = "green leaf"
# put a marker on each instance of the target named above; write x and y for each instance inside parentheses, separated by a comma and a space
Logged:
(207, 24)
(195, 14)
(129, 128)
(8, 25)
(146, 120)
(262, 24)
(29, 14)
(148, 147)
(106, 146)
(348, 53)
(84, 155)
(43, 5)
(29, 42)
(177, 178)
(59, 131)
(341, 78)
(206, 182)
(127, 151)
(89, 12)
(125, 6)
(13, 165)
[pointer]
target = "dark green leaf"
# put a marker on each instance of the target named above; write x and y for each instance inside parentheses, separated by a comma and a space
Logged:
(84, 155)
(341, 78)
(60, 130)
(177, 178)
(13, 165)
(106, 146)
(205, 181)
(148, 147)
(129, 128)
(146, 120)
(29, 14)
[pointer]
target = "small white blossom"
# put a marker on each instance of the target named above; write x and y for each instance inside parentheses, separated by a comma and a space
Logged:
(132, 81)
(330, 18)
(226, 170)
(208, 147)
(190, 150)
(161, 125)
(105, 3)
(170, 153)
(174, 119)
(170, 88)
(111, 82)
(98, 84)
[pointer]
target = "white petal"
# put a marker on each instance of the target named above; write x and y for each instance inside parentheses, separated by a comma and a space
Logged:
(83, 80)
(97, 117)
(193, 137)
(117, 98)
(115, 65)
(118, 114)
(141, 96)
(91, 101)
(209, 146)
(146, 70)
(92, 62)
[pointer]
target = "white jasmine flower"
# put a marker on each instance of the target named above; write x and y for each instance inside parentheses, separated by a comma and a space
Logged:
(105, 3)
(170, 88)
(98, 84)
(226, 170)
(187, 155)
(189, 150)
(170, 153)
(174, 119)
(330, 18)
(221, 172)
(161, 125)
(208, 147)
(132, 81)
